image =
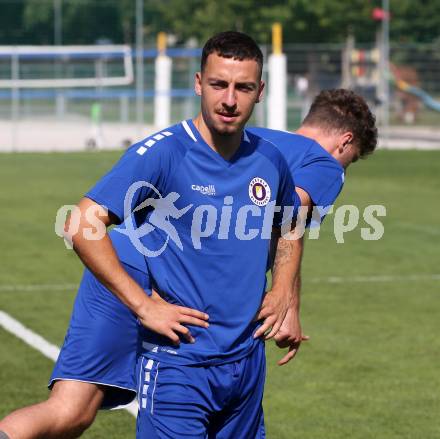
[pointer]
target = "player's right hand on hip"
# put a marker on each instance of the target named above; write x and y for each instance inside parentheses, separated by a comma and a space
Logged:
(169, 320)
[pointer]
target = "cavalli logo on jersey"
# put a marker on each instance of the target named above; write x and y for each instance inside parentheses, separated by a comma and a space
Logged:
(259, 191)
(205, 190)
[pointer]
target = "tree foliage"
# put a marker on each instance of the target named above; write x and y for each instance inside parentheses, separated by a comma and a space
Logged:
(304, 21)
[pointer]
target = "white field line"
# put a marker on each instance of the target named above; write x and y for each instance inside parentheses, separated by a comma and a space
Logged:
(40, 344)
(374, 279)
(38, 287)
(330, 279)
(29, 337)
(429, 230)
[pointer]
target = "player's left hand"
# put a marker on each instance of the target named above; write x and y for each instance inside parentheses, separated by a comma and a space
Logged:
(290, 335)
(293, 345)
(272, 311)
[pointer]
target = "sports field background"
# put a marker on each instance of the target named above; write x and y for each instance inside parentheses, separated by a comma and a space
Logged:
(371, 308)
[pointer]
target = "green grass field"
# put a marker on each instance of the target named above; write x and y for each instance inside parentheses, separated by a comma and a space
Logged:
(370, 369)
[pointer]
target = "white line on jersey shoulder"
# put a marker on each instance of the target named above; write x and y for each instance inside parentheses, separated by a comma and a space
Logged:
(188, 130)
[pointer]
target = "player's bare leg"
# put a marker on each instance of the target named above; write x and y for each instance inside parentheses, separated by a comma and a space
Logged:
(70, 409)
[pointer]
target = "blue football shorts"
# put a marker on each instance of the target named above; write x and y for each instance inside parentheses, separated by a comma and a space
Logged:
(101, 342)
(202, 402)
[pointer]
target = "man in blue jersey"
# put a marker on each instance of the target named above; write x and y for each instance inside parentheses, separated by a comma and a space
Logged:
(216, 267)
(307, 160)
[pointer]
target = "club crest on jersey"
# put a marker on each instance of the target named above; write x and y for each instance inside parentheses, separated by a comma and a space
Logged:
(259, 191)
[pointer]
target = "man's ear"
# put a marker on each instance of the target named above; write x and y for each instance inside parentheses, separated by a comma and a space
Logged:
(345, 140)
(198, 83)
(260, 92)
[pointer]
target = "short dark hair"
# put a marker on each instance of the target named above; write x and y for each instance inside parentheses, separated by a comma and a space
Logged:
(344, 110)
(234, 45)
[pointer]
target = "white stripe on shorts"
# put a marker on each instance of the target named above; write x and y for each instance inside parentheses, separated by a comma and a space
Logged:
(154, 389)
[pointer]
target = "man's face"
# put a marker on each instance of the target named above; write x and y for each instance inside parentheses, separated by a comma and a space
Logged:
(229, 90)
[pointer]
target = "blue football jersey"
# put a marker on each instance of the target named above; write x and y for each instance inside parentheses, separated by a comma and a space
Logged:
(204, 224)
(312, 167)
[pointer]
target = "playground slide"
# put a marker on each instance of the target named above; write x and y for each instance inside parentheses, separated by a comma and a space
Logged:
(427, 99)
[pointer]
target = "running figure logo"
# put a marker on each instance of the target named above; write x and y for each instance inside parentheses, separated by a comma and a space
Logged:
(164, 209)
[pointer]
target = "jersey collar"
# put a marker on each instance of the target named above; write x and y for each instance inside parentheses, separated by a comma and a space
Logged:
(195, 136)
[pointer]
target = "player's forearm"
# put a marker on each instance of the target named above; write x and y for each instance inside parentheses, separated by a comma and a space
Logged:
(152, 312)
(276, 233)
(296, 289)
(101, 259)
(99, 256)
(286, 265)
(296, 293)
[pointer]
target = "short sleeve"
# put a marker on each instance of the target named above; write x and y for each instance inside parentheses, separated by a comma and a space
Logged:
(139, 174)
(322, 177)
(323, 182)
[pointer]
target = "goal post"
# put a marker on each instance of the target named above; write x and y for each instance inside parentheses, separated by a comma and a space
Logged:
(51, 66)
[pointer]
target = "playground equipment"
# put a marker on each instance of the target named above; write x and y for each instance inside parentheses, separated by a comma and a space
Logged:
(361, 71)
(425, 97)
